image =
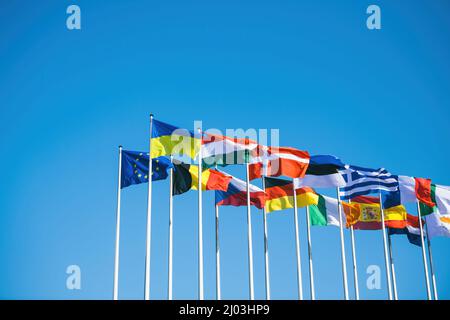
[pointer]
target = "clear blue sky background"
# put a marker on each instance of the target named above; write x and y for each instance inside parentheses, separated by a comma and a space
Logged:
(309, 68)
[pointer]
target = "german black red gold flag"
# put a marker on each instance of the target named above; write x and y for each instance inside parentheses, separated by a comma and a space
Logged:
(280, 195)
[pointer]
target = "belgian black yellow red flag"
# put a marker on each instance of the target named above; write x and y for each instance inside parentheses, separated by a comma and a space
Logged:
(185, 178)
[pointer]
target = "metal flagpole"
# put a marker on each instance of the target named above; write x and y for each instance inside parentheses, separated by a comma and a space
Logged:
(386, 258)
(200, 221)
(355, 267)
(430, 257)
(425, 264)
(297, 247)
(149, 217)
(311, 272)
(116, 255)
(249, 232)
(344, 261)
(266, 246)
(218, 288)
(170, 288)
(394, 278)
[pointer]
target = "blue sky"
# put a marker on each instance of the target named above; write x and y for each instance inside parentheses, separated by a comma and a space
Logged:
(308, 68)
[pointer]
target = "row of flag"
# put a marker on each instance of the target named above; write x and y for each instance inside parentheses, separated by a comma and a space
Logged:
(289, 177)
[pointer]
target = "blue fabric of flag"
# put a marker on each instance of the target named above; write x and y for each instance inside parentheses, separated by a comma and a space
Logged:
(135, 168)
(363, 181)
(412, 238)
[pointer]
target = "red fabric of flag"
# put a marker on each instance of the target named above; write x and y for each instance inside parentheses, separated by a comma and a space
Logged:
(423, 191)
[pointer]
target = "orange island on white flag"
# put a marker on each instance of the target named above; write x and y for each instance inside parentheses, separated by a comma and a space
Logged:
(438, 225)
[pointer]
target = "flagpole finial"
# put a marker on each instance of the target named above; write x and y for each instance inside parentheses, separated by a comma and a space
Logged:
(120, 146)
(151, 115)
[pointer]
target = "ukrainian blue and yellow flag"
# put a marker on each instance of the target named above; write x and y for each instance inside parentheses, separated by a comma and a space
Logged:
(169, 140)
(135, 168)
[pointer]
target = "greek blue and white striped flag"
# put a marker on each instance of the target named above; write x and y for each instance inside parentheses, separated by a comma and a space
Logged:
(362, 181)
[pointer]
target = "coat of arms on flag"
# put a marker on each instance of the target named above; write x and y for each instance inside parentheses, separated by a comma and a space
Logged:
(370, 213)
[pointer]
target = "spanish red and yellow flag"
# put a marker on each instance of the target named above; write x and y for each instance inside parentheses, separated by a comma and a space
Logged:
(370, 214)
(280, 195)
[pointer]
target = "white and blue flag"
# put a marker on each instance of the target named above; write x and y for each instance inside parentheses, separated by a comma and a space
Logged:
(361, 181)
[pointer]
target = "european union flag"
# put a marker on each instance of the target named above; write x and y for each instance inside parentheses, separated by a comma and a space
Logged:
(135, 168)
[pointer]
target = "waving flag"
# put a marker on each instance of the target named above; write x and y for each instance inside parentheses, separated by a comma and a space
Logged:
(411, 230)
(322, 172)
(438, 225)
(168, 140)
(135, 168)
(417, 189)
(362, 181)
(430, 195)
(442, 196)
(280, 195)
(185, 178)
(279, 161)
(407, 187)
(426, 192)
(236, 195)
(222, 150)
(370, 214)
(326, 212)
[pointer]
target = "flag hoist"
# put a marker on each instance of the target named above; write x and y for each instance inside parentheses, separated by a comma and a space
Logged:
(341, 232)
(116, 254)
(223, 150)
(164, 141)
(297, 247)
(283, 194)
(274, 162)
(134, 169)
(391, 258)
(363, 181)
(317, 171)
(266, 245)
(249, 235)
(431, 200)
(200, 221)
(186, 178)
(424, 257)
(323, 172)
(148, 236)
(396, 221)
(386, 257)
(170, 273)
(218, 286)
(236, 195)
(430, 257)
(355, 265)
(311, 270)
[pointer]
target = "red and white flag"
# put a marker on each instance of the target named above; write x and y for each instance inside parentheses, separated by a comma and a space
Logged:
(279, 161)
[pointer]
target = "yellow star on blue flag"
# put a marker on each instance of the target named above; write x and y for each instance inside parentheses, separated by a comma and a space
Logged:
(135, 168)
